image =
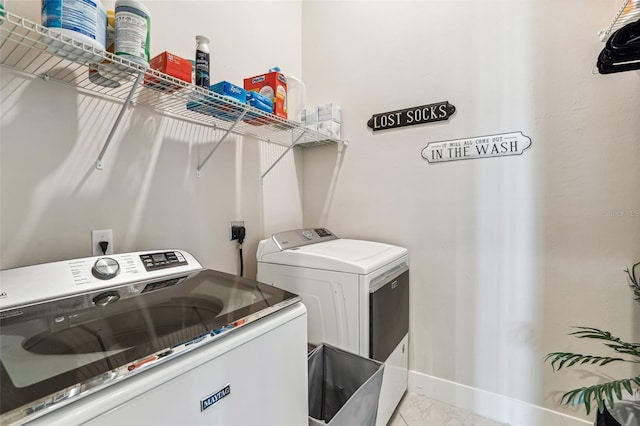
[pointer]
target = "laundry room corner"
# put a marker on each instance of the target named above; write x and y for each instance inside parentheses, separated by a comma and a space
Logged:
(202, 202)
(507, 253)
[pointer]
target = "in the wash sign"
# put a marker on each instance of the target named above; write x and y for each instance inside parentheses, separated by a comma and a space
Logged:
(477, 147)
(411, 116)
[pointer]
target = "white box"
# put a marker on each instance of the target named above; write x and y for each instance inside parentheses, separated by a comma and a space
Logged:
(309, 115)
(313, 127)
(329, 128)
(330, 112)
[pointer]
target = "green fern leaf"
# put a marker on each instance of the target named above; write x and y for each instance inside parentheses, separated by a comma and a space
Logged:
(608, 360)
(577, 360)
(568, 359)
(635, 286)
(616, 343)
(618, 390)
(598, 396)
(625, 350)
(593, 333)
(586, 398)
(570, 397)
(612, 391)
(605, 393)
(608, 392)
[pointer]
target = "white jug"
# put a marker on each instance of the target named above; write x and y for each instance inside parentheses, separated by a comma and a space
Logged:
(296, 94)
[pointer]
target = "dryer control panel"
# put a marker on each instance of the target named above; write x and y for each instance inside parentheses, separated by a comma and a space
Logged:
(302, 237)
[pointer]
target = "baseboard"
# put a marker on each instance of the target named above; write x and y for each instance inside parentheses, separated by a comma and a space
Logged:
(488, 404)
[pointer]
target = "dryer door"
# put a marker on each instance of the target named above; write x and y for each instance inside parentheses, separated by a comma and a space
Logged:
(388, 315)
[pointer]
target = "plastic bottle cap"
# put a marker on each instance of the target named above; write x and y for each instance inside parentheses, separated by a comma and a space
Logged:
(202, 39)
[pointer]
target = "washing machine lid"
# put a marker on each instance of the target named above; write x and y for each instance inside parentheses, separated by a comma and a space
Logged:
(332, 254)
(56, 351)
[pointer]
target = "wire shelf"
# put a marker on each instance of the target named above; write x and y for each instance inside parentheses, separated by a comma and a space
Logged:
(30, 48)
(629, 11)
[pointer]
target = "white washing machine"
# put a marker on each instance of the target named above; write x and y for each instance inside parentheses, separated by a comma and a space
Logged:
(356, 293)
(148, 338)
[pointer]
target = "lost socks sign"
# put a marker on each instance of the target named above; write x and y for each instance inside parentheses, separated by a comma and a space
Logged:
(410, 116)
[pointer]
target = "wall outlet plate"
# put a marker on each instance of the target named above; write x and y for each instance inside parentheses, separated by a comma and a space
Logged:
(101, 235)
(231, 226)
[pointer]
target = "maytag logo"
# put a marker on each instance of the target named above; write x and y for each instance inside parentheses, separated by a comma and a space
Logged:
(215, 398)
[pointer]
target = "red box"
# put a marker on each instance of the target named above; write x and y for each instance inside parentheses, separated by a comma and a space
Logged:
(272, 85)
(172, 65)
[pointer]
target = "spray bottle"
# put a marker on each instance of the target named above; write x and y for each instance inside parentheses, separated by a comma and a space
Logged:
(202, 62)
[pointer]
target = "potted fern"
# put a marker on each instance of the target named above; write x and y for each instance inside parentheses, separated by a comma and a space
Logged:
(604, 395)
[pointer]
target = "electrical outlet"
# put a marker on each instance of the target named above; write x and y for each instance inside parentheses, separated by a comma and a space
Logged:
(232, 232)
(101, 235)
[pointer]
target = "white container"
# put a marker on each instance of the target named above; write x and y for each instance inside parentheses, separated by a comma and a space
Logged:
(104, 77)
(296, 97)
(81, 20)
(133, 25)
(110, 34)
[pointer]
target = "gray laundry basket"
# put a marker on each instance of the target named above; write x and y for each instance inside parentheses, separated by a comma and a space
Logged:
(343, 388)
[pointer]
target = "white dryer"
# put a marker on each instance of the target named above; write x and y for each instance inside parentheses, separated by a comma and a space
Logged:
(356, 294)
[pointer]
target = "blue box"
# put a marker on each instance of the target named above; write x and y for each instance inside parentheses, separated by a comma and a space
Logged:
(214, 107)
(225, 88)
(261, 106)
(257, 97)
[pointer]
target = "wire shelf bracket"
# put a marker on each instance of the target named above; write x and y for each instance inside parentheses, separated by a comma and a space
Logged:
(229, 130)
(282, 155)
(123, 108)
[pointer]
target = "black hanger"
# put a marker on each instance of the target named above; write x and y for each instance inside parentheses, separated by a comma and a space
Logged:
(622, 50)
(626, 40)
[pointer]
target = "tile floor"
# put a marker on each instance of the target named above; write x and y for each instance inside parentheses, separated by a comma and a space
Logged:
(416, 410)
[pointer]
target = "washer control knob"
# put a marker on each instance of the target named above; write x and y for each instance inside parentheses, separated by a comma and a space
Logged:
(307, 234)
(104, 299)
(105, 268)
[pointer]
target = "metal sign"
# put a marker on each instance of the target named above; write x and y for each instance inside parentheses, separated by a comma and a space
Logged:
(478, 147)
(411, 116)
(215, 398)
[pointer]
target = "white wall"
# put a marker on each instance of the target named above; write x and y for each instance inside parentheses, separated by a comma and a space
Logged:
(507, 253)
(148, 193)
